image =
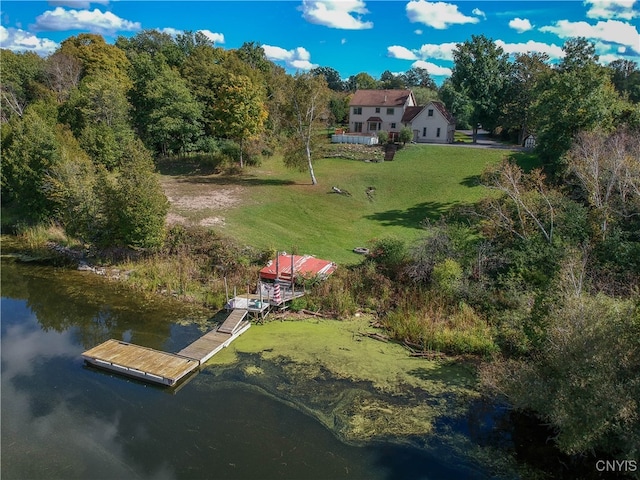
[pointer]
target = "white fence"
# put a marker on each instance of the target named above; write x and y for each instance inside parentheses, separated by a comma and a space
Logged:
(350, 138)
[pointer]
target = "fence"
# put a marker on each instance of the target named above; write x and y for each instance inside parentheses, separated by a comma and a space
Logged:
(351, 138)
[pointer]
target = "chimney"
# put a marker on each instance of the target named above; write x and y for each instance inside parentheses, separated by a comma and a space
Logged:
(385, 99)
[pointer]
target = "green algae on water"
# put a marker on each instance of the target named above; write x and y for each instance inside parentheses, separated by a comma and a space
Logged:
(360, 388)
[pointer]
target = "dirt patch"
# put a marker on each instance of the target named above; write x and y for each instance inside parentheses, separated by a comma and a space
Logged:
(218, 200)
(175, 219)
(211, 222)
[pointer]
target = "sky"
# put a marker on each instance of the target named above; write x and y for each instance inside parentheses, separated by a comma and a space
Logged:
(350, 36)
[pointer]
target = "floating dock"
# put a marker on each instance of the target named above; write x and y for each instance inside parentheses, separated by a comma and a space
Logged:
(140, 362)
(161, 367)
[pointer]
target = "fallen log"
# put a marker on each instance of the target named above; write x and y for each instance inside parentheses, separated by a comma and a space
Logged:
(376, 336)
(427, 354)
(315, 314)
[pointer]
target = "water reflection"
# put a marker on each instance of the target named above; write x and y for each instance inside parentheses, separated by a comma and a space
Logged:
(60, 420)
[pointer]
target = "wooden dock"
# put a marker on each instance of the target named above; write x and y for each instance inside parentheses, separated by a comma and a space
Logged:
(162, 367)
(140, 362)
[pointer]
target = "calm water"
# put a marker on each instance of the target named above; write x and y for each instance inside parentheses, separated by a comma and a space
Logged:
(61, 419)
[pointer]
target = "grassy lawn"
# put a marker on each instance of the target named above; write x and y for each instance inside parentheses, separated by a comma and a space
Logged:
(272, 207)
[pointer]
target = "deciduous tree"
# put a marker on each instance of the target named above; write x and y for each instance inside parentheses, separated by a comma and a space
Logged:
(308, 100)
(239, 112)
(479, 74)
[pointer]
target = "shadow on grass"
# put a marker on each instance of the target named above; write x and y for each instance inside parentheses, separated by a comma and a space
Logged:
(247, 181)
(185, 167)
(412, 217)
(527, 161)
(471, 181)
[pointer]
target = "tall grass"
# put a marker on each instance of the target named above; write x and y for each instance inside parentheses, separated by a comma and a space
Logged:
(428, 320)
(36, 238)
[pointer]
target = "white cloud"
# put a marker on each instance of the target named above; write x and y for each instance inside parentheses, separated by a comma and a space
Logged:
(18, 40)
(214, 37)
(520, 25)
(432, 68)
(94, 21)
(171, 31)
(554, 51)
(342, 14)
(343, 41)
(298, 58)
(438, 15)
(608, 58)
(442, 51)
(612, 9)
(403, 53)
(613, 31)
(418, 31)
(479, 13)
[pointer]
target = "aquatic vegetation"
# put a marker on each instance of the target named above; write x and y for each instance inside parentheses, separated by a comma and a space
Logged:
(359, 387)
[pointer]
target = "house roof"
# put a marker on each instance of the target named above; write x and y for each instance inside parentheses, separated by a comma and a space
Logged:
(378, 98)
(374, 119)
(443, 110)
(410, 113)
(303, 265)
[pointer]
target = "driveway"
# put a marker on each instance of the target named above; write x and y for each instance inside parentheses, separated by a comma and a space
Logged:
(484, 141)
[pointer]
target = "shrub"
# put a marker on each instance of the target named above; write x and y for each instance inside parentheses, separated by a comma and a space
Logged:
(389, 253)
(447, 276)
(406, 135)
(383, 137)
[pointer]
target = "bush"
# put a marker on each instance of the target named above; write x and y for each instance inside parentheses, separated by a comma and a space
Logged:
(383, 137)
(447, 276)
(406, 135)
(389, 253)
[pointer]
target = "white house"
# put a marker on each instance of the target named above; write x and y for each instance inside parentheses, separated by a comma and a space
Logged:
(430, 124)
(390, 110)
(373, 110)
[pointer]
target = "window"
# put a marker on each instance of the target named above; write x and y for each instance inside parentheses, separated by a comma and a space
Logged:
(393, 125)
(377, 109)
(430, 112)
(389, 111)
(357, 110)
(373, 126)
(357, 127)
(438, 132)
(424, 132)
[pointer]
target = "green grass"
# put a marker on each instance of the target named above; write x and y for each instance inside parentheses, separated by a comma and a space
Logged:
(280, 208)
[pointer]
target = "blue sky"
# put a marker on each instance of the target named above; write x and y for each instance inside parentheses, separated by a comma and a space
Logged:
(350, 36)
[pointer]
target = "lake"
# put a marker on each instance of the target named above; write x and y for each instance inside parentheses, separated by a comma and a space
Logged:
(62, 419)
